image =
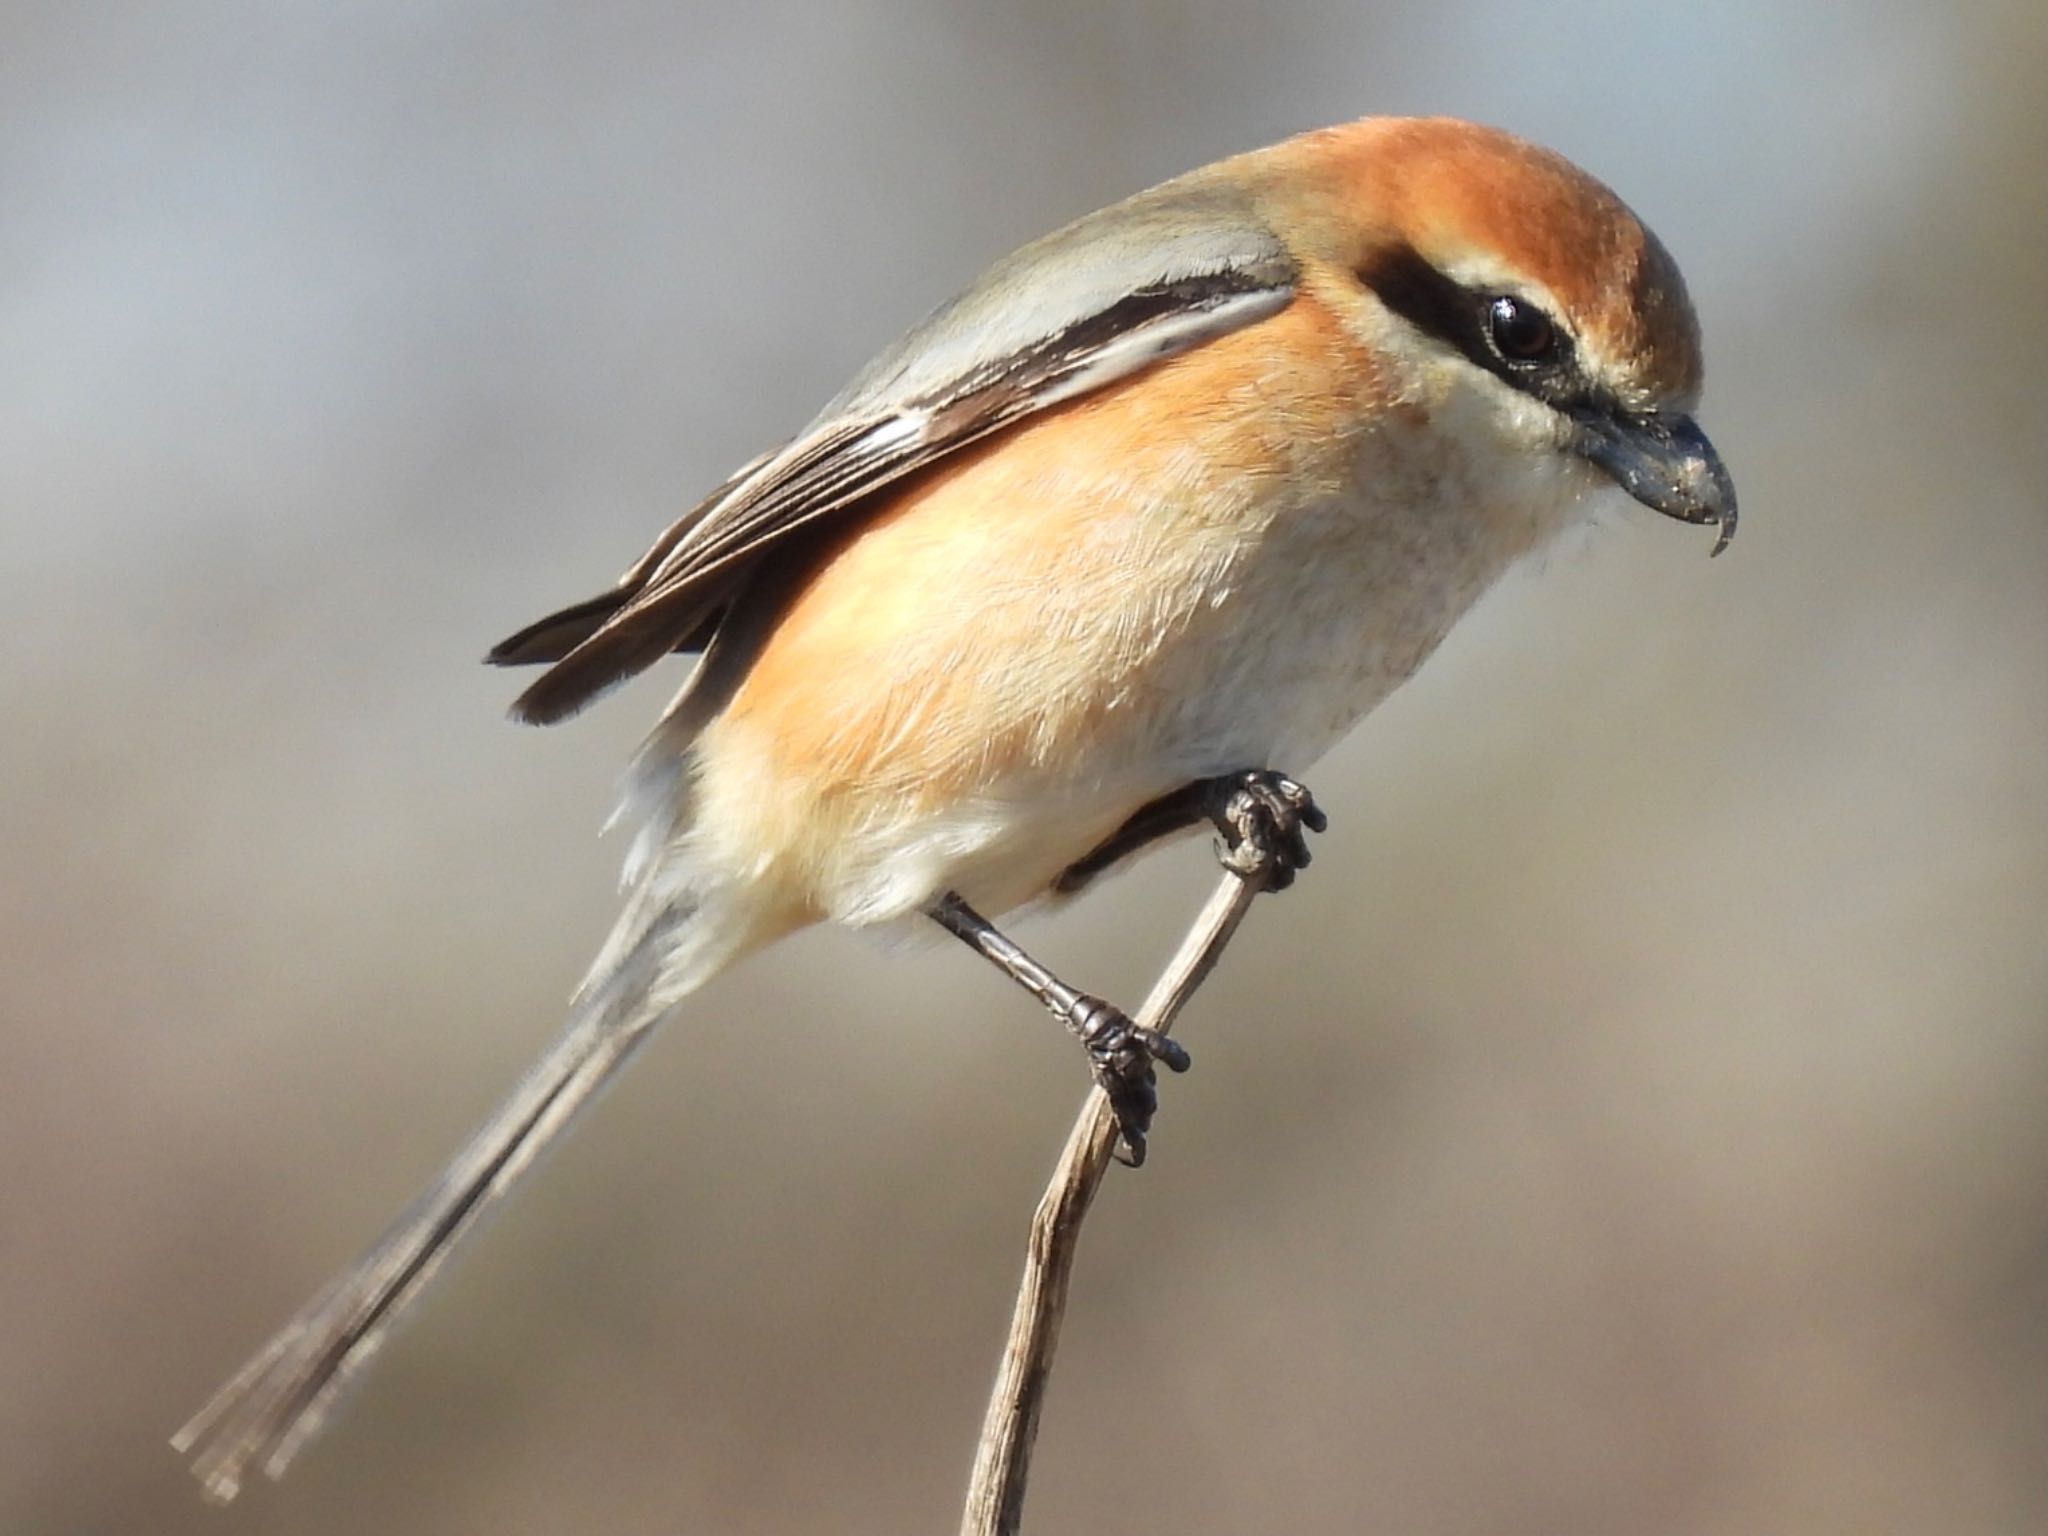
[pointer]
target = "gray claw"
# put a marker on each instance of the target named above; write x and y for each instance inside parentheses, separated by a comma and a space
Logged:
(1264, 819)
(1122, 1055)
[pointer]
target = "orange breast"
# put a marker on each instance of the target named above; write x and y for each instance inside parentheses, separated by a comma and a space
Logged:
(994, 616)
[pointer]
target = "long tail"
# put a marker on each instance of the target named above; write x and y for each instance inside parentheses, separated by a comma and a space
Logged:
(277, 1402)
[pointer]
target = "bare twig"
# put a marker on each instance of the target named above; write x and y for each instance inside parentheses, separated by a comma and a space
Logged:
(1002, 1462)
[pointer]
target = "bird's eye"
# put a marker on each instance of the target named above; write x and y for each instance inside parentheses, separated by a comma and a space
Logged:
(1521, 332)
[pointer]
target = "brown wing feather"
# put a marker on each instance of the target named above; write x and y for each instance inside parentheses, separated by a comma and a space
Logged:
(551, 638)
(676, 595)
(672, 603)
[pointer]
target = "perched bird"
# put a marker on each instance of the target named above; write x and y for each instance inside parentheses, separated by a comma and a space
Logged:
(1166, 499)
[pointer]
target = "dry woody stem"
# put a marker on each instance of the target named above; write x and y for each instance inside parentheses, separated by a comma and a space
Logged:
(1002, 1461)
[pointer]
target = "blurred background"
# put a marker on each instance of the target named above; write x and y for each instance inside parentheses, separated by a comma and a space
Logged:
(1633, 1124)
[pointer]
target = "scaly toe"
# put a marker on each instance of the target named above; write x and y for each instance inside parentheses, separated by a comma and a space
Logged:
(1264, 819)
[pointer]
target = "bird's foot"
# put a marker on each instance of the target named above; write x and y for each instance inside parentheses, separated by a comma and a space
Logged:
(1264, 818)
(1122, 1055)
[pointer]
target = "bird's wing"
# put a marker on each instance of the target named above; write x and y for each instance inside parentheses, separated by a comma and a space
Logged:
(552, 638)
(1066, 315)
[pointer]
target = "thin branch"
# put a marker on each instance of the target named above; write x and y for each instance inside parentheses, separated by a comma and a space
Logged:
(1002, 1462)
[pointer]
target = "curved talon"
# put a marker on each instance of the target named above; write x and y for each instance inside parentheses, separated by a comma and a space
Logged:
(1264, 818)
(1128, 1151)
(1122, 1055)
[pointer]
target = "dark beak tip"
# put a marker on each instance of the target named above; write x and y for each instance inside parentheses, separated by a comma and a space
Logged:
(1716, 499)
(1666, 463)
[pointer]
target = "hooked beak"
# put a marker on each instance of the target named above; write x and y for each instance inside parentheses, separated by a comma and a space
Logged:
(1664, 461)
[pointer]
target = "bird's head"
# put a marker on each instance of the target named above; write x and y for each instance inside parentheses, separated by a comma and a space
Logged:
(1502, 267)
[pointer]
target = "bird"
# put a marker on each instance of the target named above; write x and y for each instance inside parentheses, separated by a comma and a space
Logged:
(1165, 500)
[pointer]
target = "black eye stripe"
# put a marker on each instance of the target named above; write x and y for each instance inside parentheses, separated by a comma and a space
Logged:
(1461, 318)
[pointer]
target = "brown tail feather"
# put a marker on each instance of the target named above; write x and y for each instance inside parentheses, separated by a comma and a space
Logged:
(280, 1399)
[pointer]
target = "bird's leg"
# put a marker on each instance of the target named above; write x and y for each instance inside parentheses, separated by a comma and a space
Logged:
(1120, 1052)
(1157, 819)
(1262, 816)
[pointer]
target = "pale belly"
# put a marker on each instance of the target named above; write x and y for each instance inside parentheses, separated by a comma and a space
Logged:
(1085, 615)
(975, 747)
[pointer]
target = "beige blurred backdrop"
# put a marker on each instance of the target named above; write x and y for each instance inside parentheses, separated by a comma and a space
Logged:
(1634, 1123)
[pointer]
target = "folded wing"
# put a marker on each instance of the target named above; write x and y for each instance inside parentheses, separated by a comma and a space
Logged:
(1067, 315)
